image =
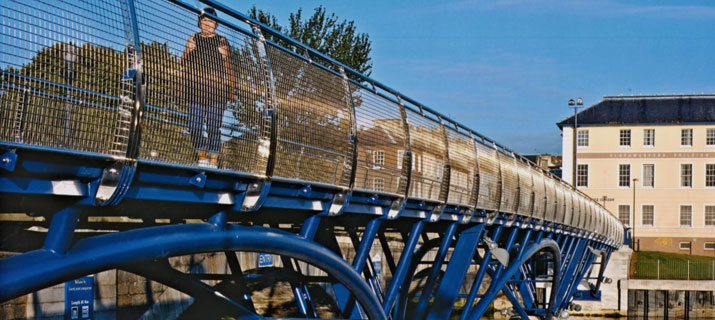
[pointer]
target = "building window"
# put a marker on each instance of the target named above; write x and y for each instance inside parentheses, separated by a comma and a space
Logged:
(648, 175)
(686, 216)
(378, 184)
(710, 215)
(685, 246)
(400, 156)
(710, 137)
(625, 137)
(647, 213)
(709, 245)
(649, 137)
(624, 213)
(686, 137)
(582, 138)
(710, 175)
(378, 157)
(686, 175)
(582, 175)
(624, 175)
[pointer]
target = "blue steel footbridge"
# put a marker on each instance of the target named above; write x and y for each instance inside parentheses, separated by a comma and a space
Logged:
(315, 160)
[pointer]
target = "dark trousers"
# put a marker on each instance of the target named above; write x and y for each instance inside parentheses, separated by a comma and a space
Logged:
(210, 116)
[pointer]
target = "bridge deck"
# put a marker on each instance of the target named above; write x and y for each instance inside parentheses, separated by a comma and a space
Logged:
(109, 111)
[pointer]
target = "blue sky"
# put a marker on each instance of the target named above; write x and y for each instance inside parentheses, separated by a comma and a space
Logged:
(507, 68)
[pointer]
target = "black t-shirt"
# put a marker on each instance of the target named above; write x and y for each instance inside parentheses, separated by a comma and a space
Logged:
(205, 76)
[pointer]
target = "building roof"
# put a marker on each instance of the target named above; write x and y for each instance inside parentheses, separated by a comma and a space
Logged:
(647, 109)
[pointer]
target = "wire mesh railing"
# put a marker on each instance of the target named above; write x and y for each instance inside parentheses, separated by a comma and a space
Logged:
(674, 269)
(187, 87)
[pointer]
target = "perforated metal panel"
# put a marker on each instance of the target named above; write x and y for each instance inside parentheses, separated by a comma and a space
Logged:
(205, 95)
(463, 162)
(489, 178)
(381, 142)
(62, 66)
(314, 120)
(510, 183)
(526, 186)
(539, 193)
(428, 151)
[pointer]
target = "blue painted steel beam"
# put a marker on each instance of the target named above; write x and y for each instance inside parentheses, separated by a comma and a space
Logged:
(398, 277)
(99, 253)
(437, 267)
(457, 267)
(500, 280)
(480, 276)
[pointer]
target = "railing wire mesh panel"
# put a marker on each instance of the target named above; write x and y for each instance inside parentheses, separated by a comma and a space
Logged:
(62, 66)
(526, 185)
(381, 141)
(314, 120)
(462, 161)
(489, 178)
(428, 151)
(509, 183)
(206, 92)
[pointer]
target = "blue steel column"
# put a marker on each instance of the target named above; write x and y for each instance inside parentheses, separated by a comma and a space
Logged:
(61, 230)
(448, 289)
(405, 260)
(437, 266)
(479, 277)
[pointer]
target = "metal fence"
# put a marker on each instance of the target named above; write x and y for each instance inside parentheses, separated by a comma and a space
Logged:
(675, 270)
(123, 78)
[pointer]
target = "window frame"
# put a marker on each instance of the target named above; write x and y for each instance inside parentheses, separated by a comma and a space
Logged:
(622, 138)
(579, 176)
(652, 214)
(652, 138)
(582, 138)
(680, 216)
(683, 137)
(681, 243)
(709, 179)
(378, 155)
(705, 215)
(628, 185)
(680, 173)
(400, 155)
(710, 137)
(628, 223)
(375, 183)
(705, 245)
(643, 177)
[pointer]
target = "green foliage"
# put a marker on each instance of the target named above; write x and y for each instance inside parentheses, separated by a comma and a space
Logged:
(327, 34)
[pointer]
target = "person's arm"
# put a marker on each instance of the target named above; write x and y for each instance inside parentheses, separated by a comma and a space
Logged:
(225, 50)
(190, 46)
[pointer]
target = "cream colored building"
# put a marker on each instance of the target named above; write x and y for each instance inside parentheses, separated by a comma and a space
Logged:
(667, 143)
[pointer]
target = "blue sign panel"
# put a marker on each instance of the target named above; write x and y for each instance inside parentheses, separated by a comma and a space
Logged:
(265, 260)
(79, 298)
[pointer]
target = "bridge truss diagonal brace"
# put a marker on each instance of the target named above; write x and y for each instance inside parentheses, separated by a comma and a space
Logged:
(500, 281)
(459, 263)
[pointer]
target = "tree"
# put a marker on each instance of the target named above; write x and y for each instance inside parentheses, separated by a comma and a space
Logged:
(325, 33)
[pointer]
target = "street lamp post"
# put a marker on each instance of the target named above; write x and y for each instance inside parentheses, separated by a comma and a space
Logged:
(633, 222)
(575, 105)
